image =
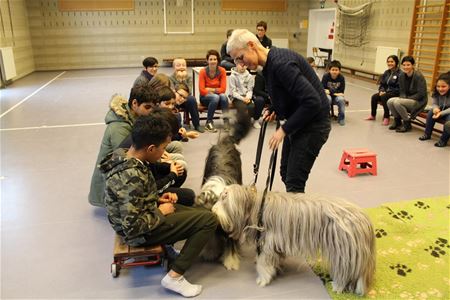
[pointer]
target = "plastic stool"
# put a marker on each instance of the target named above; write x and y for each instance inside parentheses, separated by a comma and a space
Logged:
(358, 161)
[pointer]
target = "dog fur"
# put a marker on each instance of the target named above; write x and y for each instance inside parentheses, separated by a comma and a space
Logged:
(311, 226)
(223, 167)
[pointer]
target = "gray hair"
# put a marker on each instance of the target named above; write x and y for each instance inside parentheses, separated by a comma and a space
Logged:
(239, 39)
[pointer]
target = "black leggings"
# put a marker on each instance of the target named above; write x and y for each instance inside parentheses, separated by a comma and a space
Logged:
(376, 98)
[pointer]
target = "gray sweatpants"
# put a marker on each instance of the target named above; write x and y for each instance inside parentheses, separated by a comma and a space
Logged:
(400, 107)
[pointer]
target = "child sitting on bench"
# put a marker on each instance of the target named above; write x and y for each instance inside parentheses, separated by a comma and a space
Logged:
(141, 217)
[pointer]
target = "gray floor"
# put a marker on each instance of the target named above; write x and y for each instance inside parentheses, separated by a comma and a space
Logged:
(55, 245)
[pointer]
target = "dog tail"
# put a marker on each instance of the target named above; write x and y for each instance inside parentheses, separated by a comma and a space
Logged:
(241, 127)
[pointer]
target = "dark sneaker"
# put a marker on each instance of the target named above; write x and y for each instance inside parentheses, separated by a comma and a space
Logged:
(440, 144)
(210, 127)
(199, 129)
(425, 137)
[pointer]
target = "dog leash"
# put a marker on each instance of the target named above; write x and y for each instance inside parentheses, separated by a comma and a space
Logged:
(269, 183)
(262, 133)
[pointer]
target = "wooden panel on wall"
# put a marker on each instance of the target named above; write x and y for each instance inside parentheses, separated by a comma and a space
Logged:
(258, 5)
(86, 5)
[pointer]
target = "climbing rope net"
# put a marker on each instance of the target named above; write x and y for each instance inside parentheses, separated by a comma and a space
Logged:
(353, 23)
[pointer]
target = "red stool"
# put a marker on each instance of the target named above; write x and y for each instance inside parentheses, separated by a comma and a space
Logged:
(358, 161)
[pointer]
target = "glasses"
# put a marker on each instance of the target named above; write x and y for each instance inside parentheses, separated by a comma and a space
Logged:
(239, 59)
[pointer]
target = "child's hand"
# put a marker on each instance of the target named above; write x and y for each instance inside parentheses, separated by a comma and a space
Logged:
(168, 198)
(327, 91)
(437, 115)
(165, 157)
(176, 168)
(192, 134)
(247, 100)
(382, 93)
(339, 94)
(436, 110)
(166, 208)
(182, 131)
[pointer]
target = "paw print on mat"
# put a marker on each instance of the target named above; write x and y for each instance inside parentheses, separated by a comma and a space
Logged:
(401, 215)
(402, 270)
(325, 277)
(422, 205)
(438, 251)
(379, 233)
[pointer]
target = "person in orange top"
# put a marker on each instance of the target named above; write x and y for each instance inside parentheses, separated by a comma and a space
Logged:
(212, 83)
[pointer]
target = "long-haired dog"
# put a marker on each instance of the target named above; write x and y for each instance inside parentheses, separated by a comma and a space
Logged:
(305, 225)
(223, 167)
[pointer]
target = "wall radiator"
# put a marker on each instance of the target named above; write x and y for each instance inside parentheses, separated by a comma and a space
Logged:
(7, 64)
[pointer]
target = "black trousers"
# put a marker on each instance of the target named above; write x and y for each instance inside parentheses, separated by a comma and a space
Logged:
(300, 150)
(376, 98)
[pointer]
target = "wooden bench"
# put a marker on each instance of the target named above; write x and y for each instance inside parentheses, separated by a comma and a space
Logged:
(360, 73)
(190, 62)
(125, 256)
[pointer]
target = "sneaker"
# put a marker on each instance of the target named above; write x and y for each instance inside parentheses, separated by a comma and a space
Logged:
(181, 286)
(370, 118)
(199, 129)
(425, 137)
(342, 122)
(440, 144)
(385, 122)
(256, 125)
(210, 127)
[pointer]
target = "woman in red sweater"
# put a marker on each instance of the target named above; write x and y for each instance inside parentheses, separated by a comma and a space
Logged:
(212, 83)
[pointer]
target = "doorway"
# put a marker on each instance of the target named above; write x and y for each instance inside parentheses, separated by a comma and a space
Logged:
(321, 31)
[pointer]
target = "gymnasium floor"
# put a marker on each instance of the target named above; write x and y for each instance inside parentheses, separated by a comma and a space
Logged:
(55, 245)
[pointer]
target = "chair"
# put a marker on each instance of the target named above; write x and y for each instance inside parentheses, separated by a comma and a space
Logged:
(320, 58)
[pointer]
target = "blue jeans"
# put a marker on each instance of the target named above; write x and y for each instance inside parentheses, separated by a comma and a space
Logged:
(300, 150)
(446, 134)
(340, 102)
(212, 101)
(430, 124)
(191, 107)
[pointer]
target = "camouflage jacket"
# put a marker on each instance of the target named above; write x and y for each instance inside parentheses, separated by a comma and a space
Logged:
(131, 197)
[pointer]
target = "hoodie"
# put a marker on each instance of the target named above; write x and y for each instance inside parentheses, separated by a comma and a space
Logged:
(241, 84)
(131, 197)
(119, 121)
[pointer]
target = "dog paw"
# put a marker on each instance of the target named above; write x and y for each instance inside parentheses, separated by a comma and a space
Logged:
(231, 263)
(262, 282)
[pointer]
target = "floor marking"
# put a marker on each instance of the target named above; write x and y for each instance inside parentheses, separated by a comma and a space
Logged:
(363, 87)
(51, 126)
(110, 76)
(31, 95)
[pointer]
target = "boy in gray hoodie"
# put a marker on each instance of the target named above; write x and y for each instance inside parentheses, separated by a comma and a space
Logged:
(241, 85)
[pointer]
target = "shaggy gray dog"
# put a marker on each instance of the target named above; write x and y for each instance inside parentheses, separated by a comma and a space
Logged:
(223, 167)
(311, 226)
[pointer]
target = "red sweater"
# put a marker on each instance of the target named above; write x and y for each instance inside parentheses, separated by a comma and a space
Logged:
(219, 82)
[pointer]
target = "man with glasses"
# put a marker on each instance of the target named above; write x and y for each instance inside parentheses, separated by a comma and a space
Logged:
(150, 69)
(297, 97)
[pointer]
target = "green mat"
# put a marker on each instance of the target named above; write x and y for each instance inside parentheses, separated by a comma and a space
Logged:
(413, 249)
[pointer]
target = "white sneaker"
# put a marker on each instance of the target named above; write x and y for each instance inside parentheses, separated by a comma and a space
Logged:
(256, 125)
(181, 286)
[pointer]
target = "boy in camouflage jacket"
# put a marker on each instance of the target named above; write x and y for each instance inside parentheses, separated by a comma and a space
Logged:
(137, 213)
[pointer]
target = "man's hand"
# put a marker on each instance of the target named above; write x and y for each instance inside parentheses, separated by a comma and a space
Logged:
(276, 139)
(176, 168)
(269, 117)
(166, 208)
(168, 198)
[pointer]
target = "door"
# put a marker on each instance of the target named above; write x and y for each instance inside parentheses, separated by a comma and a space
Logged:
(321, 29)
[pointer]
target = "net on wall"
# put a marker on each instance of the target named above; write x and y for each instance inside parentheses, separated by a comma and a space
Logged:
(353, 23)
